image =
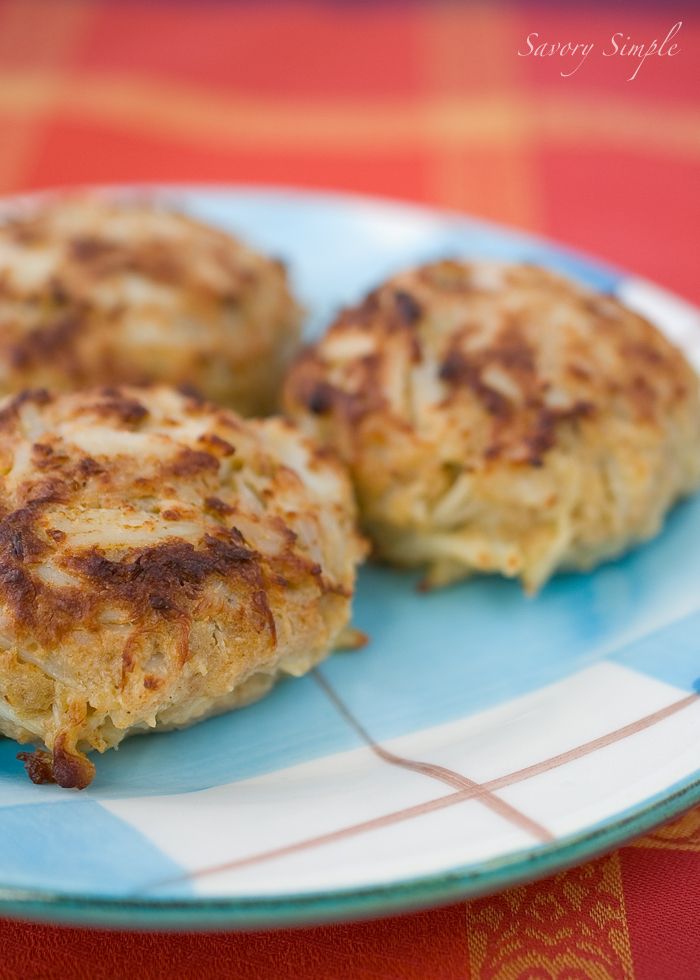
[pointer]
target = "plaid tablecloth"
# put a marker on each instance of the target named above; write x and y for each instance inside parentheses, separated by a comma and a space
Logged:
(429, 102)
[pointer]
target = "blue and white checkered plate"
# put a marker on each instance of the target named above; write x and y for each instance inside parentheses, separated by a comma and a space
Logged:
(481, 738)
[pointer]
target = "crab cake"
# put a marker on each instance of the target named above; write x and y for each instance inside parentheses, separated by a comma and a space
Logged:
(93, 293)
(499, 418)
(161, 560)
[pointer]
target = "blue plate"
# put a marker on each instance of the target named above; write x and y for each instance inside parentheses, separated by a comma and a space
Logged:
(481, 739)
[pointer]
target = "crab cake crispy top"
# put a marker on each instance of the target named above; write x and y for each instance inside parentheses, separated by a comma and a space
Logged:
(501, 418)
(160, 559)
(93, 292)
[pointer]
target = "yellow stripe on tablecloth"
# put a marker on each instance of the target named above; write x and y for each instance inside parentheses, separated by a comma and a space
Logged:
(506, 181)
(46, 34)
(681, 835)
(574, 924)
(197, 114)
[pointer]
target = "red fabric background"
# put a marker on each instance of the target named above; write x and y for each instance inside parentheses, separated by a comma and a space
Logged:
(429, 102)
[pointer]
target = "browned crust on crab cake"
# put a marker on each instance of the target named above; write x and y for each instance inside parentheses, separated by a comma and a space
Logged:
(93, 292)
(161, 560)
(500, 418)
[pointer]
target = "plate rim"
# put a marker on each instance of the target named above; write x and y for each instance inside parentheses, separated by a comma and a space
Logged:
(355, 903)
(315, 908)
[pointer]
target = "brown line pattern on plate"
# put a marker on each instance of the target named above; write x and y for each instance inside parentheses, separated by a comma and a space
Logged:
(433, 771)
(597, 743)
(451, 799)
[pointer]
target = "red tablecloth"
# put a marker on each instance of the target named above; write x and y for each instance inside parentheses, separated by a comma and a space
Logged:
(430, 102)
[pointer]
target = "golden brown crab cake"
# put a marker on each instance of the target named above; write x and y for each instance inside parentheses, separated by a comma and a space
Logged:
(93, 292)
(500, 418)
(161, 560)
